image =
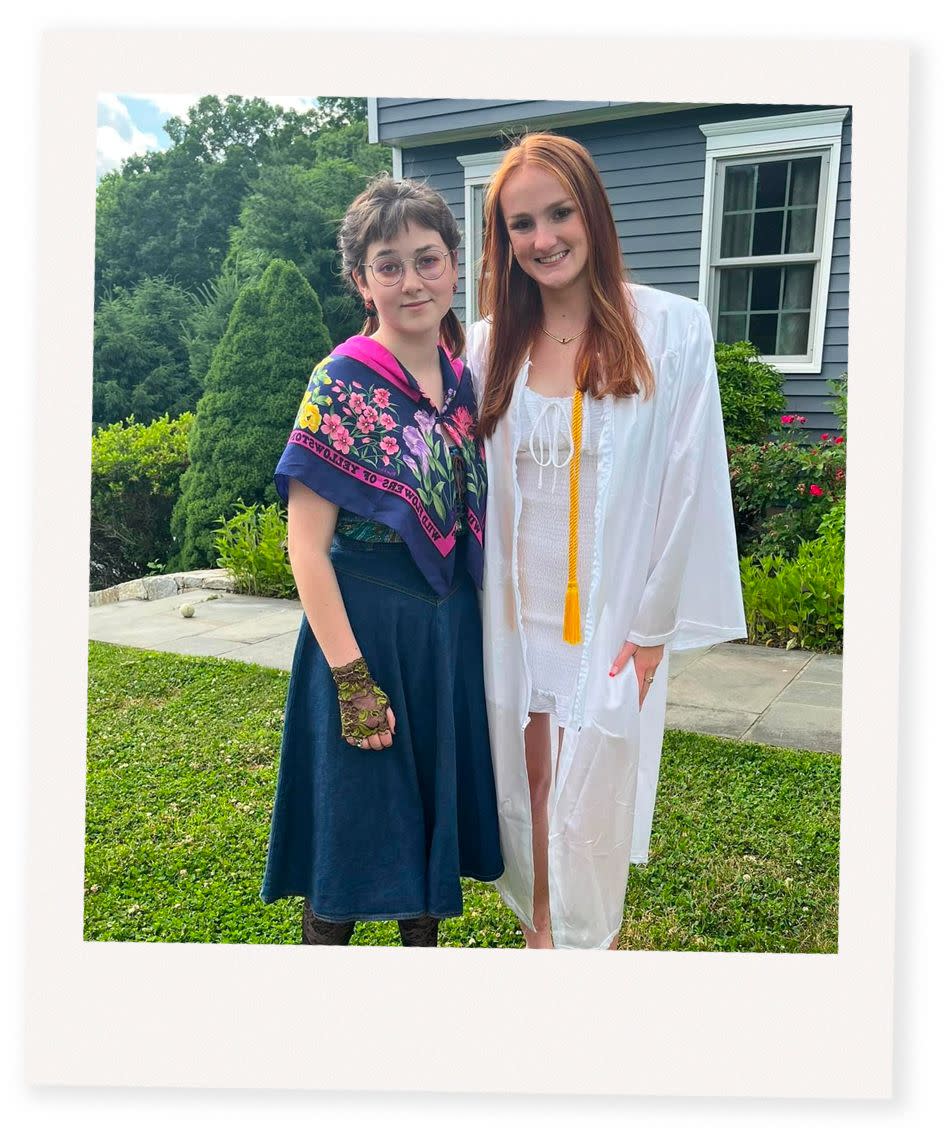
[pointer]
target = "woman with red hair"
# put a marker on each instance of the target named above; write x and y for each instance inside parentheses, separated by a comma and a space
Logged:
(609, 534)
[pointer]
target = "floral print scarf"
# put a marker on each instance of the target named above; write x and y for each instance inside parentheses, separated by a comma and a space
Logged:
(367, 439)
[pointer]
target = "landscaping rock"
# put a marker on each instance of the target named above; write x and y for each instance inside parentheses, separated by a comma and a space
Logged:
(159, 587)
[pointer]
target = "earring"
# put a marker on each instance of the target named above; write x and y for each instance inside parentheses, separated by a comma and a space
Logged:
(369, 308)
(455, 287)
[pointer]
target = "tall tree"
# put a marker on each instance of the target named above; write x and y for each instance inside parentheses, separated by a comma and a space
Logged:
(170, 213)
(294, 213)
(140, 363)
(259, 371)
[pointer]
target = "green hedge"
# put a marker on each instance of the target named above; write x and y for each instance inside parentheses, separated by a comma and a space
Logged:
(796, 602)
(136, 472)
(751, 392)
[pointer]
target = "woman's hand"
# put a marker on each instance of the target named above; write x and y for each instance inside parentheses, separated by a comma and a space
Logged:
(367, 720)
(645, 661)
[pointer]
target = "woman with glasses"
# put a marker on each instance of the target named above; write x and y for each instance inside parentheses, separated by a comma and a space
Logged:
(609, 535)
(386, 795)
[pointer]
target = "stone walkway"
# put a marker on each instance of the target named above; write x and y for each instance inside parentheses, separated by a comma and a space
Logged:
(789, 698)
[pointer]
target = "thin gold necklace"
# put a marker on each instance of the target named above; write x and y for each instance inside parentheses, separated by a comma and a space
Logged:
(563, 340)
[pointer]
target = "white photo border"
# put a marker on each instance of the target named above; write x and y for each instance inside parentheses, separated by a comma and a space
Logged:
(658, 1023)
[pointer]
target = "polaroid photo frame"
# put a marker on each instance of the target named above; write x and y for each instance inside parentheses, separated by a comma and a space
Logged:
(648, 1023)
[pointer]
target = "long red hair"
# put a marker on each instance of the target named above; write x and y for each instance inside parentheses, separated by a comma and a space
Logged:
(611, 360)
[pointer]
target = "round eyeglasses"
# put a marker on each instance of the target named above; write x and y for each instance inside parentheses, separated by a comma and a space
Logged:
(388, 270)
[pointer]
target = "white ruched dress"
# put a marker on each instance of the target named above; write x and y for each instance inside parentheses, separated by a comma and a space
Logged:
(543, 466)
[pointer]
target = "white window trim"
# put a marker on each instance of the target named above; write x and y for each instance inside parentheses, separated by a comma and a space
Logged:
(478, 169)
(788, 134)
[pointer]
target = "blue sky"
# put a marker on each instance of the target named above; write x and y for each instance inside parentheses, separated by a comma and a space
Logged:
(133, 123)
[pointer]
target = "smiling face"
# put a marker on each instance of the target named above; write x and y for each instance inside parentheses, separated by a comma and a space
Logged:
(413, 305)
(546, 232)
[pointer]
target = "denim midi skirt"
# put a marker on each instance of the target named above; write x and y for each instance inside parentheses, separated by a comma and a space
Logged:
(383, 835)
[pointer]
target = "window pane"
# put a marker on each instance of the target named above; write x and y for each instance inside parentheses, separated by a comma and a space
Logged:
(772, 184)
(739, 187)
(792, 334)
(731, 328)
(798, 284)
(733, 290)
(801, 223)
(768, 229)
(766, 288)
(763, 332)
(805, 180)
(736, 231)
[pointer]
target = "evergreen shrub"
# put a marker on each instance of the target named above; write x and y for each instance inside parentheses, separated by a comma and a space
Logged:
(259, 372)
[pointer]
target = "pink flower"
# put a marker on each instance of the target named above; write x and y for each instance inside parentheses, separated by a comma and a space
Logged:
(342, 396)
(825, 436)
(838, 440)
(800, 418)
(331, 423)
(786, 419)
(365, 426)
(369, 415)
(389, 445)
(381, 397)
(387, 421)
(355, 384)
(341, 440)
(463, 421)
(385, 460)
(839, 475)
(816, 491)
(357, 402)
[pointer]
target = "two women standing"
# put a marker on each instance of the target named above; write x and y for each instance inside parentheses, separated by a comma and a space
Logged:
(608, 536)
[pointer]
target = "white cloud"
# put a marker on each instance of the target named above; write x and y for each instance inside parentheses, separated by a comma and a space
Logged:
(112, 148)
(119, 136)
(176, 105)
(179, 104)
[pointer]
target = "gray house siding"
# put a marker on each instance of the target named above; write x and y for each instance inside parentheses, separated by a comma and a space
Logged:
(653, 167)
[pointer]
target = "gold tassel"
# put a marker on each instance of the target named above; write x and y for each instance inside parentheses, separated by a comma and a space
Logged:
(571, 630)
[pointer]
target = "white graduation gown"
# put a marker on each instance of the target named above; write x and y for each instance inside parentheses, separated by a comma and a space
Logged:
(665, 570)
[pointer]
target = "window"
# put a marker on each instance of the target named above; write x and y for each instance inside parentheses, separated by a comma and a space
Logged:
(771, 189)
(477, 172)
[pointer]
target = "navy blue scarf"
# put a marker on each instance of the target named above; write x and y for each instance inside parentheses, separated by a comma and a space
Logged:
(367, 440)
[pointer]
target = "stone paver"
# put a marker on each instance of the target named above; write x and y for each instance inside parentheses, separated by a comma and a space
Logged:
(258, 628)
(276, 652)
(741, 678)
(715, 722)
(790, 725)
(826, 668)
(680, 659)
(808, 692)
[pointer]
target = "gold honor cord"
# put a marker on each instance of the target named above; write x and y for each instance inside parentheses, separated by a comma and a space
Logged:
(571, 631)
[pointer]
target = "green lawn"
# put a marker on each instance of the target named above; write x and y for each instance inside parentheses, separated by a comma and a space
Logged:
(182, 759)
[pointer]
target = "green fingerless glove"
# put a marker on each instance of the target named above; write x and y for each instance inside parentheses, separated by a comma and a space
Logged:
(363, 704)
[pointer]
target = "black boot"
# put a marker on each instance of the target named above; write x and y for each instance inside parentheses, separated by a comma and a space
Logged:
(318, 931)
(419, 932)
